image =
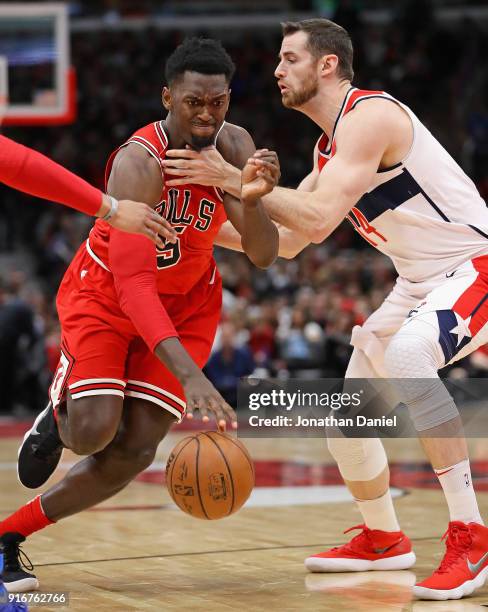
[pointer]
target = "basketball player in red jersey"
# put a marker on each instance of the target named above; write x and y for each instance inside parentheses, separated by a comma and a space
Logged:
(378, 166)
(138, 323)
(33, 173)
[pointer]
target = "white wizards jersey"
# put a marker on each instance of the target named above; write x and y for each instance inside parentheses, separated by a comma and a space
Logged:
(425, 213)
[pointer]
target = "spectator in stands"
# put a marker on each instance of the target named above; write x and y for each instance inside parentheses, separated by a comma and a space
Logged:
(18, 335)
(229, 364)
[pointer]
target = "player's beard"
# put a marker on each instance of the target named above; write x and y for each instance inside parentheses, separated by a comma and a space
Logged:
(309, 89)
(200, 142)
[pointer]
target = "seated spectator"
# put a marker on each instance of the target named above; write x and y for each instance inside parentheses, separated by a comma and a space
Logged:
(262, 341)
(17, 334)
(229, 364)
(301, 348)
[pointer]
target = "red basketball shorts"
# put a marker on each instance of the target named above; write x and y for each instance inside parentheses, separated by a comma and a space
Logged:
(101, 351)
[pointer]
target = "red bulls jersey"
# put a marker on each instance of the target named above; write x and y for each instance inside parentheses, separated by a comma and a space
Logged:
(195, 211)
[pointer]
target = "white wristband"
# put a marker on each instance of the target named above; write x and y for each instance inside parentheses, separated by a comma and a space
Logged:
(114, 205)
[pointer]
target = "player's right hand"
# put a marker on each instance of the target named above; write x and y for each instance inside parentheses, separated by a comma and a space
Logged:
(204, 167)
(201, 395)
(260, 175)
(139, 218)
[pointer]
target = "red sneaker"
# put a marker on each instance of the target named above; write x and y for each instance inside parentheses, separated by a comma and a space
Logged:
(464, 567)
(372, 549)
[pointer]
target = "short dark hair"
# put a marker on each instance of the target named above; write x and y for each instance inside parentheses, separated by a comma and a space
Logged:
(203, 55)
(325, 36)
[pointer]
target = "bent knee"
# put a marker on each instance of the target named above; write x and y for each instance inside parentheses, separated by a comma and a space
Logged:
(93, 423)
(89, 439)
(414, 351)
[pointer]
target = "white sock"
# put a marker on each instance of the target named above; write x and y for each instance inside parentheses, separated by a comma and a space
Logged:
(379, 513)
(457, 485)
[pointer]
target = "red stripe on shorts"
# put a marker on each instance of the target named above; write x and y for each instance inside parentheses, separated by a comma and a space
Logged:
(156, 394)
(95, 386)
(474, 301)
(479, 318)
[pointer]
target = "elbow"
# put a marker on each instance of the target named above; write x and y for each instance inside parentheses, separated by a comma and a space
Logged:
(264, 260)
(319, 233)
(262, 254)
(322, 221)
(287, 253)
(315, 227)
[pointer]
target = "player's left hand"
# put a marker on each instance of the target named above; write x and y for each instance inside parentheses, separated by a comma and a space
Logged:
(201, 395)
(204, 167)
(260, 175)
(139, 218)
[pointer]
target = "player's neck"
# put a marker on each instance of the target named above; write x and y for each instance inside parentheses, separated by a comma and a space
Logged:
(174, 139)
(324, 108)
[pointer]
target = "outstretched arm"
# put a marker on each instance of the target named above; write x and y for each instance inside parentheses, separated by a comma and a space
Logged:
(362, 139)
(291, 242)
(204, 167)
(35, 174)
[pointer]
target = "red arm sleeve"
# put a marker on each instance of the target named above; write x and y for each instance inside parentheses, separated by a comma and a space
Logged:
(33, 173)
(132, 260)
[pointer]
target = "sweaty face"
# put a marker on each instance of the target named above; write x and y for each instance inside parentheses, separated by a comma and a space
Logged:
(198, 104)
(297, 71)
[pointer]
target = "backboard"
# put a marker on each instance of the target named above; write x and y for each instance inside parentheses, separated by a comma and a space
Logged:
(35, 75)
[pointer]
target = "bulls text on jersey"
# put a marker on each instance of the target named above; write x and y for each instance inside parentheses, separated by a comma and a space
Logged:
(175, 210)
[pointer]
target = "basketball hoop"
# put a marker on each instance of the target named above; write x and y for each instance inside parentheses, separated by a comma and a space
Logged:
(34, 40)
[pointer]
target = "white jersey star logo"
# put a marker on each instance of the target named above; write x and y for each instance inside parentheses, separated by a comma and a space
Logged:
(461, 330)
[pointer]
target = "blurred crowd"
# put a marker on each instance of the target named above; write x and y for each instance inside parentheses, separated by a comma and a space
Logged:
(113, 10)
(296, 318)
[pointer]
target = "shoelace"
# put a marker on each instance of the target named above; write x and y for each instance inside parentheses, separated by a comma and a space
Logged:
(15, 559)
(356, 543)
(48, 446)
(458, 542)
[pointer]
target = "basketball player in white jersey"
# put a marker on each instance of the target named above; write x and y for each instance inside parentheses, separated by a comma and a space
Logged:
(377, 165)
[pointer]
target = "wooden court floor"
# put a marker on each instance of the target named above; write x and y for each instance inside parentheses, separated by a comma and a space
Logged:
(137, 551)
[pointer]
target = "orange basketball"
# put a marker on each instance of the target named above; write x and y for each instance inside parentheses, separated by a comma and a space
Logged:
(209, 475)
